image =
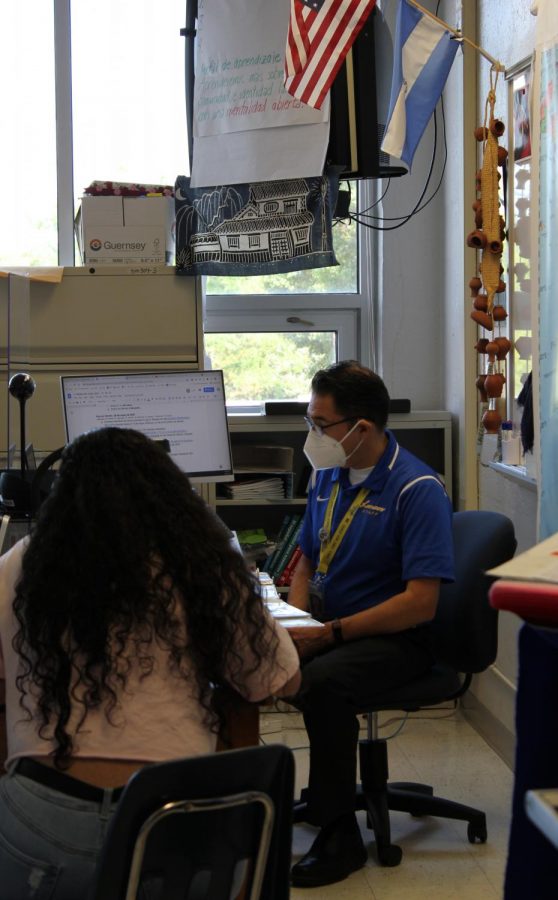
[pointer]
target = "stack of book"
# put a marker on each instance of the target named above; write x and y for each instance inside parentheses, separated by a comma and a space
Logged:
(254, 488)
(282, 562)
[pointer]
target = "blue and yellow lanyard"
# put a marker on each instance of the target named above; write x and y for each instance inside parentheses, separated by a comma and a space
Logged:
(329, 543)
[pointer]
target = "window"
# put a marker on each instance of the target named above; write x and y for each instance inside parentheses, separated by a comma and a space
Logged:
(271, 333)
(28, 226)
(269, 365)
(128, 91)
(519, 281)
(254, 240)
(127, 88)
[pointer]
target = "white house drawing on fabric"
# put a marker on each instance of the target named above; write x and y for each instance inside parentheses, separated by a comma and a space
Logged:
(274, 224)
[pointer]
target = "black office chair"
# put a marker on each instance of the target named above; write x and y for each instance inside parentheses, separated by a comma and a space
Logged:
(211, 827)
(466, 642)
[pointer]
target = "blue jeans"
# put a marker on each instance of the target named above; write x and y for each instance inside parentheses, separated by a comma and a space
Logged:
(49, 842)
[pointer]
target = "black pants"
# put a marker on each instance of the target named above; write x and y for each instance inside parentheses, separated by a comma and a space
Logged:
(336, 686)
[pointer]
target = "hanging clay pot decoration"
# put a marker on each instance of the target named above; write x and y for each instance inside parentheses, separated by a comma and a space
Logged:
(501, 287)
(492, 421)
(492, 349)
(502, 155)
(504, 346)
(497, 127)
(499, 313)
(477, 207)
(481, 134)
(481, 302)
(494, 384)
(481, 345)
(495, 247)
(480, 385)
(476, 240)
(475, 284)
(482, 318)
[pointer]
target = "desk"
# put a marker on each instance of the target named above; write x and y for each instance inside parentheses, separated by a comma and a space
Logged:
(243, 718)
(532, 866)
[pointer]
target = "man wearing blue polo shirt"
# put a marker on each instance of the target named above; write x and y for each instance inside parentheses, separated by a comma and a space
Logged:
(376, 543)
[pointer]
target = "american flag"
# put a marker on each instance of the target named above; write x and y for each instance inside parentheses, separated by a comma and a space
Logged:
(321, 33)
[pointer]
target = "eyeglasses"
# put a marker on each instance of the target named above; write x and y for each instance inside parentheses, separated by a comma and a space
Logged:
(319, 429)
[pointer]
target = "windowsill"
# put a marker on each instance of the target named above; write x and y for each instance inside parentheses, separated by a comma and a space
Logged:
(515, 473)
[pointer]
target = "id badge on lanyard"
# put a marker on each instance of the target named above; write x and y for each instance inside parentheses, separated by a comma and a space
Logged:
(329, 543)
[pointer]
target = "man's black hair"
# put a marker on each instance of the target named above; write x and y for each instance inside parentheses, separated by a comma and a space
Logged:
(356, 391)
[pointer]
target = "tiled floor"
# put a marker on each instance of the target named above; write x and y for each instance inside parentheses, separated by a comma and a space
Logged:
(439, 748)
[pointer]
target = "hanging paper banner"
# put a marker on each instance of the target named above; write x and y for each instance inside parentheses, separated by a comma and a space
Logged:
(246, 127)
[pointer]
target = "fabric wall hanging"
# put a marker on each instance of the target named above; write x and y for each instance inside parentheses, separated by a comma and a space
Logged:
(264, 228)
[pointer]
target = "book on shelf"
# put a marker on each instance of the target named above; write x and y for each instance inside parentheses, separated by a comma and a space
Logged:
(288, 544)
(285, 578)
(251, 487)
(272, 557)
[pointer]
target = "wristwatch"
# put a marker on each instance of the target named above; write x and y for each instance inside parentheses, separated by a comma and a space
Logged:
(337, 631)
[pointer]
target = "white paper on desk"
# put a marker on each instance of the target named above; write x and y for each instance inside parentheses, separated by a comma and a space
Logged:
(284, 611)
(301, 623)
(539, 563)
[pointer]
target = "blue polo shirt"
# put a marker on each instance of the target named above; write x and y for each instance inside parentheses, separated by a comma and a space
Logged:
(402, 530)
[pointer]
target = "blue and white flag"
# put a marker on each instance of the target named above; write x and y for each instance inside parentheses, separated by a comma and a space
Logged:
(422, 57)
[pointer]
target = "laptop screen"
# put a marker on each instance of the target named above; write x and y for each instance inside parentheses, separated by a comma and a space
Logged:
(185, 408)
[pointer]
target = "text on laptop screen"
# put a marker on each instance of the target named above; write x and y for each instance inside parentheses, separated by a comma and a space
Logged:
(186, 408)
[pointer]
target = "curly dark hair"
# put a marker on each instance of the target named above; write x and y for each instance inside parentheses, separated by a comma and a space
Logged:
(124, 552)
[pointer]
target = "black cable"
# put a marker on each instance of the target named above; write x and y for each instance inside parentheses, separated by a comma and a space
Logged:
(438, 186)
(406, 218)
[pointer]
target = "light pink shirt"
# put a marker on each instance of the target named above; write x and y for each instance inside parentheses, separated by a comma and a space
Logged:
(156, 719)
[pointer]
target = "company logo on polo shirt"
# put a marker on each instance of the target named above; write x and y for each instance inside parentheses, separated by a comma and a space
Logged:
(95, 244)
(372, 509)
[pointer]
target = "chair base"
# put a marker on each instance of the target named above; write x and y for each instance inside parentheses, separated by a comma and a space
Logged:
(378, 797)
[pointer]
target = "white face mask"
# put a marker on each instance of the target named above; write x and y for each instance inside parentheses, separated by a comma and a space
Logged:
(324, 452)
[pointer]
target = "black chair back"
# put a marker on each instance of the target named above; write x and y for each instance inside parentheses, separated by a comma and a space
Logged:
(466, 626)
(195, 828)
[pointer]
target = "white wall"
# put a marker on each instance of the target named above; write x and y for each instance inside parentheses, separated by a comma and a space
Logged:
(410, 335)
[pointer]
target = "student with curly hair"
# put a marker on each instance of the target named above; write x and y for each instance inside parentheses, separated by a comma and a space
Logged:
(120, 619)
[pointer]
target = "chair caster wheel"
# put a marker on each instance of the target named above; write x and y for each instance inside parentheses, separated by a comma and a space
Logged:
(477, 834)
(390, 855)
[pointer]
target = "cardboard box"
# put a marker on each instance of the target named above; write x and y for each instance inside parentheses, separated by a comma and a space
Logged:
(119, 230)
